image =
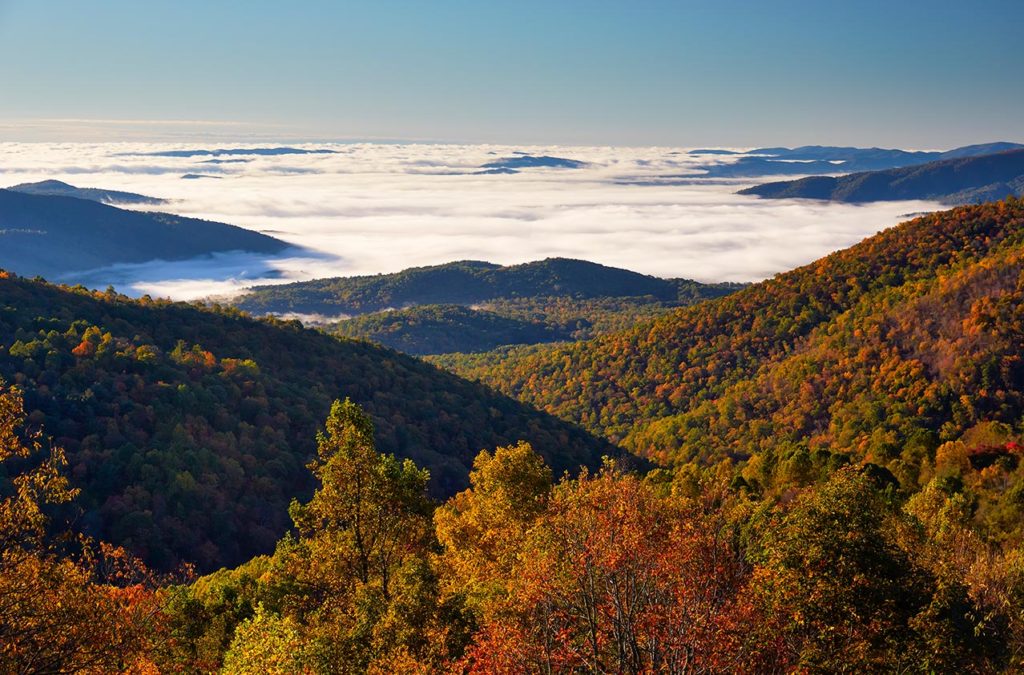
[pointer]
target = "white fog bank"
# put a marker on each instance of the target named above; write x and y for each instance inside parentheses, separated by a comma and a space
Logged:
(373, 208)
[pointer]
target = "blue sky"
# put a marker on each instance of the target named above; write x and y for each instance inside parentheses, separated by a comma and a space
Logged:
(903, 73)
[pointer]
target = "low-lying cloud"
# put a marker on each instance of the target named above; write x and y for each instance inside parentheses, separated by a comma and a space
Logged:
(372, 208)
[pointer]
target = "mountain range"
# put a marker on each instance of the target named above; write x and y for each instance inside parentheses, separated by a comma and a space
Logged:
(839, 482)
(521, 161)
(890, 347)
(465, 282)
(234, 152)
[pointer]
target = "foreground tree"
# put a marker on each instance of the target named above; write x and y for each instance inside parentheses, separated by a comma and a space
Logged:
(371, 509)
(354, 591)
(266, 643)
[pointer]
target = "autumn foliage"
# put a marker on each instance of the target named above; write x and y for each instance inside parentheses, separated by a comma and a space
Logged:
(613, 578)
(187, 428)
(914, 333)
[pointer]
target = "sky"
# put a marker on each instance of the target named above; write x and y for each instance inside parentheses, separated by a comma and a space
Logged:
(912, 73)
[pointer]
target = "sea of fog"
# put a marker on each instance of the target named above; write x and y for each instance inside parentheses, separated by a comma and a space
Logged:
(369, 208)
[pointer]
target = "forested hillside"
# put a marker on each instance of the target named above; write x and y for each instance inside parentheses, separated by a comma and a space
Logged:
(441, 329)
(833, 569)
(885, 350)
(188, 428)
(843, 490)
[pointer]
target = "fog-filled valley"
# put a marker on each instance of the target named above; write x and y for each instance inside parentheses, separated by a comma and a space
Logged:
(364, 208)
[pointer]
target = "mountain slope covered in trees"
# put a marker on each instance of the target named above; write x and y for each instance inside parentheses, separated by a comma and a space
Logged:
(502, 322)
(962, 180)
(441, 329)
(844, 489)
(910, 338)
(52, 236)
(833, 569)
(188, 428)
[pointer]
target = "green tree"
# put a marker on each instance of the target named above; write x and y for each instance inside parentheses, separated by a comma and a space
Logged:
(266, 643)
(371, 508)
(832, 574)
(360, 576)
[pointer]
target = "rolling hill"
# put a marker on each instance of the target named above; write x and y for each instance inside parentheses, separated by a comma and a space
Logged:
(522, 161)
(188, 428)
(464, 282)
(474, 306)
(52, 236)
(962, 180)
(884, 350)
(467, 283)
(445, 329)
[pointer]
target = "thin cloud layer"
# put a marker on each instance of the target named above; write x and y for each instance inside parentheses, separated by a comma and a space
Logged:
(373, 208)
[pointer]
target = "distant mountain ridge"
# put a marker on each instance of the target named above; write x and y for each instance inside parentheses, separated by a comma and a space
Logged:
(960, 180)
(523, 161)
(56, 188)
(53, 236)
(826, 159)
